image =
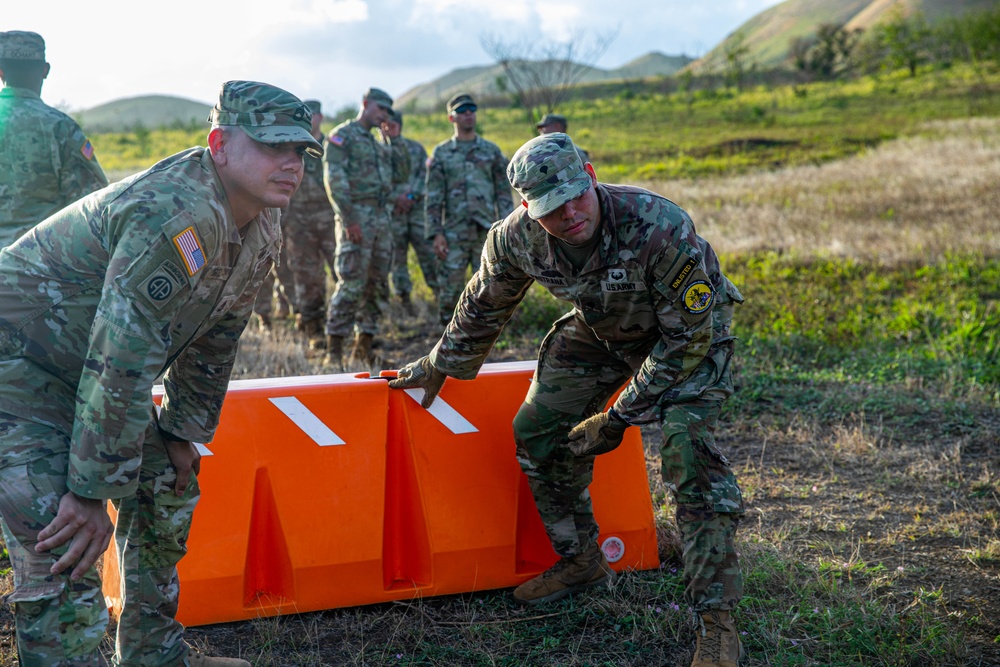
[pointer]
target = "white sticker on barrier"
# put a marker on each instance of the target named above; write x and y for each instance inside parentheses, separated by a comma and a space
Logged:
(307, 421)
(444, 413)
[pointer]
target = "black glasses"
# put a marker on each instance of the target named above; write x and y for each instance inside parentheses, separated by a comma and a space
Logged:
(466, 108)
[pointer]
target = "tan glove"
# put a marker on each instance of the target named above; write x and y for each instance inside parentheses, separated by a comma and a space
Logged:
(599, 434)
(420, 373)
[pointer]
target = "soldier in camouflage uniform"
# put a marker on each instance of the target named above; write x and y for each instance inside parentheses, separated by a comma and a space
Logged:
(360, 172)
(554, 122)
(652, 309)
(155, 273)
(408, 218)
(45, 160)
(467, 192)
(278, 286)
(309, 243)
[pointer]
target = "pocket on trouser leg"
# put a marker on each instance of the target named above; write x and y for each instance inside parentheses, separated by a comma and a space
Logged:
(58, 621)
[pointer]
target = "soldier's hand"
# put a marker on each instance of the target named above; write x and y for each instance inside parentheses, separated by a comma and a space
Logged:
(84, 524)
(403, 204)
(354, 233)
(599, 434)
(185, 458)
(420, 373)
(440, 247)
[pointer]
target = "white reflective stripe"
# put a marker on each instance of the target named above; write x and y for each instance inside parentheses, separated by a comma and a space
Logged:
(202, 449)
(444, 413)
(307, 421)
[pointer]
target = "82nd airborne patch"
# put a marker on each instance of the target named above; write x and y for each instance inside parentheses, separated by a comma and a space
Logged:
(698, 297)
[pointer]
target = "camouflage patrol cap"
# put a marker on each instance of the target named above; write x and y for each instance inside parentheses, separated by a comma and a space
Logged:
(21, 45)
(550, 118)
(547, 172)
(379, 97)
(396, 116)
(459, 100)
(314, 106)
(267, 113)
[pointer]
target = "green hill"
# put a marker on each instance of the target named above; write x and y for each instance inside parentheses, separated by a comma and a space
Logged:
(486, 80)
(769, 34)
(149, 111)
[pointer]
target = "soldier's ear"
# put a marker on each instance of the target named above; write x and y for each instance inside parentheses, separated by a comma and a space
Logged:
(217, 145)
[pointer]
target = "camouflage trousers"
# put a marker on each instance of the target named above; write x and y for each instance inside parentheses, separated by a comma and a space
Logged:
(310, 245)
(60, 623)
(465, 248)
(576, 376)
(408, 230)
(359, 297)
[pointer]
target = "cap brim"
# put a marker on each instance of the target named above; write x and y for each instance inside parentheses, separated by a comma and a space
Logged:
(284, 134)
(564, 192)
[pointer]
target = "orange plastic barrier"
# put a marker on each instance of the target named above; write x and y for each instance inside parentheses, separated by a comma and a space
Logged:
(333, 491)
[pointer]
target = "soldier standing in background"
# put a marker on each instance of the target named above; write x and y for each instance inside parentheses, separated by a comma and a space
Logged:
(467, 192)
(360, 171)
(310, 244)
(652, 310)
(408, 218)
(156, 273)
(553, 122)
(46, 162)
(278, 286)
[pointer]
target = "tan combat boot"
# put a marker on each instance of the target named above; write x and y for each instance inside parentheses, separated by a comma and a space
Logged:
(719, 644)
(195, 659)
(573, 573)
(334, 353)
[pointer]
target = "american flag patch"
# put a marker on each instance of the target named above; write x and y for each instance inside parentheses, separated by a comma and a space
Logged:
(87, 149)
(337, 140)
(191, 252)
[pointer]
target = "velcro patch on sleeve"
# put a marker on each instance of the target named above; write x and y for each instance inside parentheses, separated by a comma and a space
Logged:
(189, 246)
(163, 284)
(683, 273)
(337, 140)
(87, 150)
(698, 297)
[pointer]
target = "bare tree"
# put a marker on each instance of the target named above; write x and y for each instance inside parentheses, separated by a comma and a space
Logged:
(540, 72)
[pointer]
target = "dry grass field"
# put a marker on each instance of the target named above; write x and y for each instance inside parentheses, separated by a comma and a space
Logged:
(872, 535)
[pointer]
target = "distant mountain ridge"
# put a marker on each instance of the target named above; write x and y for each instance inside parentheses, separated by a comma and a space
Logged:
(150, 111)
(485, 80)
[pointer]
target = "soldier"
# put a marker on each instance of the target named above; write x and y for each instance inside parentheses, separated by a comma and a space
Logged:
(467, 192)
(359, 173)
(309, 242)
(408, 218)
(554, 122)
(278, 285)
(651, 308)
(155, 273)
(45, 160)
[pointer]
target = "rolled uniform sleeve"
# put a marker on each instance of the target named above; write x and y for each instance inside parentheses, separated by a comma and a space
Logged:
(684, 308)
(336, 161)
(485, 307)
(144, 291)
(434, 197)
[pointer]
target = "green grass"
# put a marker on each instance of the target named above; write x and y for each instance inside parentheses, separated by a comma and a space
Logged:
(650, 135)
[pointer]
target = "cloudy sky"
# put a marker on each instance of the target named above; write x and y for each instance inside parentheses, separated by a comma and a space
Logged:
(332, 50)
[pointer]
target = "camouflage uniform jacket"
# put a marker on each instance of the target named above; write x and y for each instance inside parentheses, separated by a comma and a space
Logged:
(45, 162)
(312, 193)
(652, 288)
(360, 168)
(415, 184)
(145, 276)
(466, 184)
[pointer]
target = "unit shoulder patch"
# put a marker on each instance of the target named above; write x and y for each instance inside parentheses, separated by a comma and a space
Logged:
(698, 297)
